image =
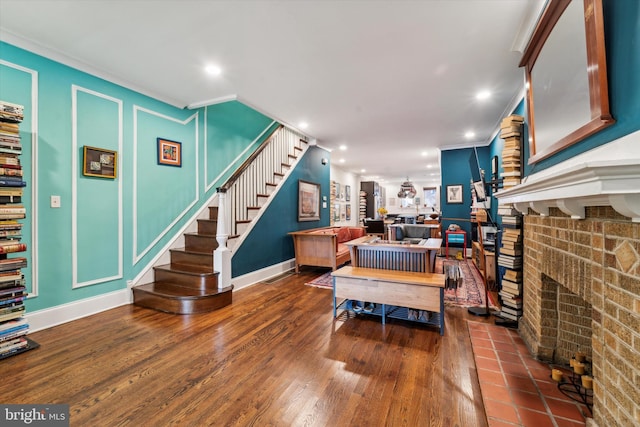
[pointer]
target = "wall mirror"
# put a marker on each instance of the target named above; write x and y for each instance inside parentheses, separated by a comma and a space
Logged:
(566, 73)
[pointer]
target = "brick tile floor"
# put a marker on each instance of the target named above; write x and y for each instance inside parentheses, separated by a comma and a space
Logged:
(517, 390)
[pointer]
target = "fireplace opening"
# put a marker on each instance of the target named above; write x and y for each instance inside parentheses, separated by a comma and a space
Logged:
(566, 319)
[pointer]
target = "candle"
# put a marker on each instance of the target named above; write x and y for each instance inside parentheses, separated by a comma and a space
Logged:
(556, 374)
(587, 382)
(578, 368)
(580, 356)
(571, 362)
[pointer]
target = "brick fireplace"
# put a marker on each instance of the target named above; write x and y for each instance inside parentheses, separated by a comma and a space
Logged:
(582, 272)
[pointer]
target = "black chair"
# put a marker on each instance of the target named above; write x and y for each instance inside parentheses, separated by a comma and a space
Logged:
(374, 226)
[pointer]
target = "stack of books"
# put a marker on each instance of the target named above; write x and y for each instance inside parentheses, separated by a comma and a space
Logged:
(511, 133)
(511, 295)
(510, 259)
(13, 326)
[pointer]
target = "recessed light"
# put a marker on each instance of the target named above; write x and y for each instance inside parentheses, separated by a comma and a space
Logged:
(343, 147)
(363, 170)
(469, 134)
(482, 95)
(429, 166)
(341, 160)
(303, 125)
(424, 154)
(213, 70)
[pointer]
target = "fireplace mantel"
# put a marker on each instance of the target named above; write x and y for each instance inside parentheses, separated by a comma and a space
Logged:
(608, 175)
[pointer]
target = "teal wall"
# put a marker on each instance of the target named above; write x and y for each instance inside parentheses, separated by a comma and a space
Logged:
(108, 230)
(622, 40)
(457, 169)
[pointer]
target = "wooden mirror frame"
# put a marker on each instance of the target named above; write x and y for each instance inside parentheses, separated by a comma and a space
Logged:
(596, 74)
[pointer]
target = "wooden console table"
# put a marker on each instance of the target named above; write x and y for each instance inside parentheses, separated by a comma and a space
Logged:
(392, 291)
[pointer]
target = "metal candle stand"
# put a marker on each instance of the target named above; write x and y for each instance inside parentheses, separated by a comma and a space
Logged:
(573, 388)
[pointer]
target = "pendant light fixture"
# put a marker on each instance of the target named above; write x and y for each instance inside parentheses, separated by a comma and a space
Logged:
(407, 190)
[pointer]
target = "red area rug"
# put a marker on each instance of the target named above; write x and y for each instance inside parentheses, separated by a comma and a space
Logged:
(324, 281)
(469, 294)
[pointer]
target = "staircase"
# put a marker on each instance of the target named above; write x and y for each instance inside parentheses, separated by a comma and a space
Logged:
(188, 284)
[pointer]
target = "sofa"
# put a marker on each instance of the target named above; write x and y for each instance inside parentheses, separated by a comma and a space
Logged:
(412, 233)
(325, 246)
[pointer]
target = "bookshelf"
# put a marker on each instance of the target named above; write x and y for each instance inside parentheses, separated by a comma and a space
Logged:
(13, 325)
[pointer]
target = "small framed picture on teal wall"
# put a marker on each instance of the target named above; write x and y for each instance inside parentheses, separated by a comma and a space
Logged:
(454, 193)
(169, 152)
(99, 162)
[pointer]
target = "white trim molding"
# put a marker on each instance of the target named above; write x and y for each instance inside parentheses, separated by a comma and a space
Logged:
(608, 175)
(49, 317)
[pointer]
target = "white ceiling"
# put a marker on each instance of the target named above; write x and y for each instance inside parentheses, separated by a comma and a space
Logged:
(388, 79)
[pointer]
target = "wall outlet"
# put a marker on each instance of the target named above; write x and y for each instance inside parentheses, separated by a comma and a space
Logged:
(55, 201)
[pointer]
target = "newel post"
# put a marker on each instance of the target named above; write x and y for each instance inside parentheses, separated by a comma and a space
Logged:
(222, 254)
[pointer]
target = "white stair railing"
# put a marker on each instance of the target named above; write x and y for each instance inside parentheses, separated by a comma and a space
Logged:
(252, 180)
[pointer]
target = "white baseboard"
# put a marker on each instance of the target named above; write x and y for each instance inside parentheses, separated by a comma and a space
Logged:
(262, 275)
(49, 317)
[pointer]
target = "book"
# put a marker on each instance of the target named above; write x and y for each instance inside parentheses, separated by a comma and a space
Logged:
(512, 304)
(13, 325)
(7, 276)
(508, 316)
(12, 216)
(10, 199)
(13, 345)
(510, 237)
(10, 150)
(10, 172)
(11, 191)
(5, 336)
(10, 234)
(9, 160)
(11, 182)
(511, 311)
(513, 275)
(12, 208)
(504, 250)
(510, 297)
(9, 224)
(506, 219)
(12, 315)
(513, 287)
(17, 247)
(510, 261)
(12, 263)
(12, 292)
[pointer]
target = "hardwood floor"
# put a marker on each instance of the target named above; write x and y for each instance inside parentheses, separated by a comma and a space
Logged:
(275, 357)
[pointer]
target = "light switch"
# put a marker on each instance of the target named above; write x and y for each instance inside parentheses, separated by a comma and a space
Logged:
(55, 201)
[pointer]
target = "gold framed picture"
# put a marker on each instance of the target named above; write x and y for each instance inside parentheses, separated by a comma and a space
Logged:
(99, 162)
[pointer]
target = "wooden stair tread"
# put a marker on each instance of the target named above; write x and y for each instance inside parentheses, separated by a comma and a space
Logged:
(171, 290)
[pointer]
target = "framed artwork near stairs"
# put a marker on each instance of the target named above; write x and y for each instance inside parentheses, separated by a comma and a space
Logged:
(308, 201)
